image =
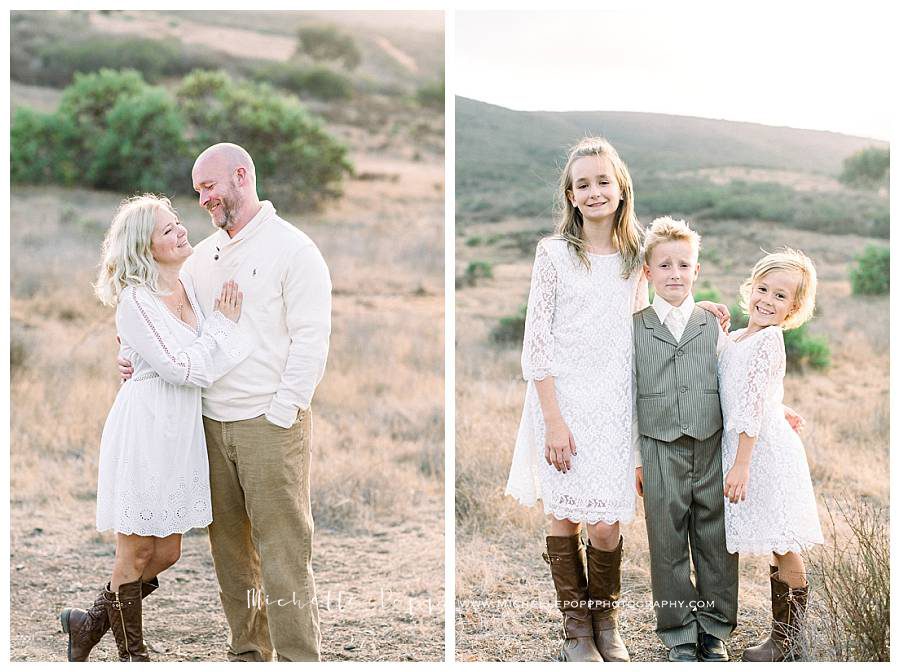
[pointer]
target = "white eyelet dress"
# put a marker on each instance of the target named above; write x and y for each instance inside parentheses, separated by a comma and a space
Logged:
(578, 330)
(153, 474)
(780, 512)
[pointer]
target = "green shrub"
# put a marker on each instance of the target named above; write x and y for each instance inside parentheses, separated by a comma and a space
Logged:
(473, 241)
(90, 98)
(317, 82)
(754, 200)
(325, 43)
(432, 94)
(478, 270)
(800, 347)
(297, 162)
(677, 197)
(43, 148)
(31, 31)
(510, 329)
(154, 59)
(706, 292)
(869, 167)
(112, 131)
(738, 317)
(143, 147)
(872, 274)
(862, 213)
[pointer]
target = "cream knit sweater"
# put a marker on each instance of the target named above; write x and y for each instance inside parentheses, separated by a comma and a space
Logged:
(286, 313)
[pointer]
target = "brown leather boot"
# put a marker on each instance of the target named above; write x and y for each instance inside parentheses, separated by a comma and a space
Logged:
(125, 620)
(604, 587)
(788, 610)
(565, 555)
(86, 628)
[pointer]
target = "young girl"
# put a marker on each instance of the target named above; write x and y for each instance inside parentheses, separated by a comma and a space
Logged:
(585, 285)
(770, 505)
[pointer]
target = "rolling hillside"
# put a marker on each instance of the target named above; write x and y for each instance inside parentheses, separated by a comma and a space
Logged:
(507, 161)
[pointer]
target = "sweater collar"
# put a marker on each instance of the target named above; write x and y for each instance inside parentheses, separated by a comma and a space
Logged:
(266, 212)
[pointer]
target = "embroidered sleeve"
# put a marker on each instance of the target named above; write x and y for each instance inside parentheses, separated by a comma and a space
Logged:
(538, 345)
(765, 364)
(144, 330)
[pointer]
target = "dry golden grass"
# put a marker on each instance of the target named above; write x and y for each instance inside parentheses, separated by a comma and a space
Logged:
(377, 474)
(505, 599)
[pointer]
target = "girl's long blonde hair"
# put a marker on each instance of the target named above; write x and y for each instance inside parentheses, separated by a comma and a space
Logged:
(626, 229)
(127, 258)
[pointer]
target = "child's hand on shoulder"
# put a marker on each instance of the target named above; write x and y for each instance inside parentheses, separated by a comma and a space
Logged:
(736, 483)
(720, 310)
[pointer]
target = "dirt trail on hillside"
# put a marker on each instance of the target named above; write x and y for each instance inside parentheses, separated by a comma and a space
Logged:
(230, 40)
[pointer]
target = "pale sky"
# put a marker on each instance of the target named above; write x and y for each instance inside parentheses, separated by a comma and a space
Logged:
(829, 70)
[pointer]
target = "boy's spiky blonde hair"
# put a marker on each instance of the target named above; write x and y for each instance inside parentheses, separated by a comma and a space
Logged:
(664, 229)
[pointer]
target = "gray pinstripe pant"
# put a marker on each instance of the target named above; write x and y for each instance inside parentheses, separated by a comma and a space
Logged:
(685, 512)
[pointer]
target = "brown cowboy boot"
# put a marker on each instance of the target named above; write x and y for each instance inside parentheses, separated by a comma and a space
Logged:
(604, 588)
(124, 613)
(565, 555)
(788, 610)
(86, 628)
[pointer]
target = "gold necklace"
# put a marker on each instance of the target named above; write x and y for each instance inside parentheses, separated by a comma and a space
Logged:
(180, 307)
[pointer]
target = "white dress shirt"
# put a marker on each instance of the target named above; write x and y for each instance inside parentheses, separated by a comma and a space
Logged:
(286, 312)
(663, 308)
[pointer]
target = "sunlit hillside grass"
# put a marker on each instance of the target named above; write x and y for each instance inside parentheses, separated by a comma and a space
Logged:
(377, 439)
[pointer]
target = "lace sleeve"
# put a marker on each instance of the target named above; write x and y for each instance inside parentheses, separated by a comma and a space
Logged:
(538, 346)
(764, 364)
(215, 352)
(642, 293)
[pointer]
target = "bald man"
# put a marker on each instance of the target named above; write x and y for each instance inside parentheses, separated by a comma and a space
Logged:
(257, 418)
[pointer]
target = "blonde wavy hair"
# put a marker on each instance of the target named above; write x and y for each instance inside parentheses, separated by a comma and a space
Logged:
(790, 261)
(126, 255)
(664, 229)
(626, 229)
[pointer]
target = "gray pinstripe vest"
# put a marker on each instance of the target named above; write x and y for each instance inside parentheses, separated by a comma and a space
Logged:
(677, 382)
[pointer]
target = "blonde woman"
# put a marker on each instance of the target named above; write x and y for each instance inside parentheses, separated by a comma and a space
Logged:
(153, 481)
(770, 506)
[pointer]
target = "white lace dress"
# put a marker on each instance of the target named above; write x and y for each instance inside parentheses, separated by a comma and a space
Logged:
(578, 330)
(154, 475)
(779, 513)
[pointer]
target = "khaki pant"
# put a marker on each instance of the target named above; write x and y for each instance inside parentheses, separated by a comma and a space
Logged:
(261, 537)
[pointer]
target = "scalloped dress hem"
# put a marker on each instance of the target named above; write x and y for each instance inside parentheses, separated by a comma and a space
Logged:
(768, 549)
(197, 525)
(623, 519)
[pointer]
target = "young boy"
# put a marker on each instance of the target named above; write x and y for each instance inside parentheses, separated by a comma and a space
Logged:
(679, 472)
